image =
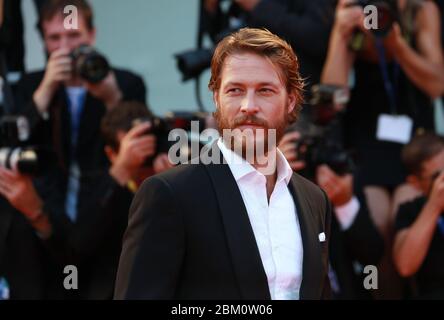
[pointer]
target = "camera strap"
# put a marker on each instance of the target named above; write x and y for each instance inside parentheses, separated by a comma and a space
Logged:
(390, 88)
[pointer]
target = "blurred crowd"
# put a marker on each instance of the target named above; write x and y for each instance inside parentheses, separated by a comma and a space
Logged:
(78, 138)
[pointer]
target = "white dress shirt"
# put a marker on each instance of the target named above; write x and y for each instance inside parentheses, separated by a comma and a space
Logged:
(275, 223)
(347, 213)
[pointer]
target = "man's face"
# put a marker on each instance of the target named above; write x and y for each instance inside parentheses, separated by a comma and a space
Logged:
(430, 168)
(252, 96)
(56, 36)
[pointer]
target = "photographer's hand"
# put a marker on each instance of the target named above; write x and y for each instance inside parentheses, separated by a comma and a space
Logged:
(58, 70)
(436, 196)
(247, 5)
(348, 18)
(161, 163)
(21, 194)
(339, 189)
(135, 148)
(107, 90)
(288, 146)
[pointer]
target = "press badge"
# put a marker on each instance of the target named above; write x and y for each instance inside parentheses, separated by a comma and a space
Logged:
(394, 128)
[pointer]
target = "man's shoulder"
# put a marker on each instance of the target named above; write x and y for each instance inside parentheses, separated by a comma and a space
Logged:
(308, 188)
(181, 176)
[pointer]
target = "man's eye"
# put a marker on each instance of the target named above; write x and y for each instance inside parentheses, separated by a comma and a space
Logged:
(234, 90)
(266, 90)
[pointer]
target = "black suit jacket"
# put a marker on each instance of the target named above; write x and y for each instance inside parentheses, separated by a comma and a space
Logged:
(189, 237)
(361, 243)
(24, 260)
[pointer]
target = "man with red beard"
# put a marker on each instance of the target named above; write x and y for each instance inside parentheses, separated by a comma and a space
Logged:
(246, 228)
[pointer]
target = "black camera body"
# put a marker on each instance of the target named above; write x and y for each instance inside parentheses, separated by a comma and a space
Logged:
(89, 64)
(321, 142)
(161, 127)
(15, 154)
(388, 14)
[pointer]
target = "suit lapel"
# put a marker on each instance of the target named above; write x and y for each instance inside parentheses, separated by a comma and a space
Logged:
(247, 263)
(312, 263)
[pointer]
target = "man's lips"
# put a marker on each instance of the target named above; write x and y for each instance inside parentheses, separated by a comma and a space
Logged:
(249, 126)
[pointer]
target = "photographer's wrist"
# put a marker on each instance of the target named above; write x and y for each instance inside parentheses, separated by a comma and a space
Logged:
(120, 174)
(43, 95)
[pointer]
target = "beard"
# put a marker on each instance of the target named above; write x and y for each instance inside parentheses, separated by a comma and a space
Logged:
(260, 140)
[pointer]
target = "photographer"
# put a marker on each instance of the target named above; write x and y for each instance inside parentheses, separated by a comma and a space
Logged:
(304, 24)
(67, 100)
(354, 236)
(397, 68)
(93, 243)
(419, 242)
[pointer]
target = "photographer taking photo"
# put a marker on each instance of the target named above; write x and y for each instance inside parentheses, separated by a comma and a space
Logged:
(398, 69)
(66, 101)
(419, 243)
(93, 242)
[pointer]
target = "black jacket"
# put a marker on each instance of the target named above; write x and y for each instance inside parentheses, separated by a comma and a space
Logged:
(360, 243)
(25, 263)
(189, 237)
(56, 131)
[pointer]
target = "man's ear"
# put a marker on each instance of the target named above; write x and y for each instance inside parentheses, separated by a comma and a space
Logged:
(110, 153)
(291, 102)
(216, 98)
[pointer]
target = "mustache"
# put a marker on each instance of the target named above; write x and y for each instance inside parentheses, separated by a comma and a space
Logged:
(251, 120)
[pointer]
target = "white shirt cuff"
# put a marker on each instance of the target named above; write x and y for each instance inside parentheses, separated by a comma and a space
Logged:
(347, 213)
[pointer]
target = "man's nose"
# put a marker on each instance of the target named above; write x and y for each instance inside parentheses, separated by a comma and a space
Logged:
(65, 43)
(249, 103)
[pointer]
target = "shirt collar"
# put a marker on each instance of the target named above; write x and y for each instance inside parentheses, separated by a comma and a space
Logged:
(241, 168)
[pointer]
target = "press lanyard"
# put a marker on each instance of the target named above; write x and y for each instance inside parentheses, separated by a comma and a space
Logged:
(390, 88)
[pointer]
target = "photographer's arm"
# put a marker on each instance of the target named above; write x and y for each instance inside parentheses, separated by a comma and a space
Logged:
(426, 67)
(57, 70)
(21, 194)
(412, 244)
(340, 58)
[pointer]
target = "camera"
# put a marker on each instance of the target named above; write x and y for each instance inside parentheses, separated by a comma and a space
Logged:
(89, 64)
(387, 14)
(15, 154)
(321, 141)
(161, 127)
(192, 63)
